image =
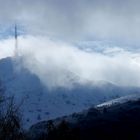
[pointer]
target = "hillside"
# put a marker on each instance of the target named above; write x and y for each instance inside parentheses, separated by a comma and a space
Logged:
(120, 121)
(38, 103)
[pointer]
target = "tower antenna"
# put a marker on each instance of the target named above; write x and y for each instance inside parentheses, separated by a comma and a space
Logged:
(16, 41)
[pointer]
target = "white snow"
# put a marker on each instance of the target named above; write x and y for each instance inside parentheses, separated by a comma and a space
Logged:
(121, 100)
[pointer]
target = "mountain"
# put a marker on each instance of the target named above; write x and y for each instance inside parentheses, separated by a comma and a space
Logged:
(38, 103)
(119, 121)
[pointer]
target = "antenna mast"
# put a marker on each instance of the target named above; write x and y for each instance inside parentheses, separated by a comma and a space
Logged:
(16, 41)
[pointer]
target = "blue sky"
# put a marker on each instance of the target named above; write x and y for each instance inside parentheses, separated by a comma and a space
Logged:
(8, 31)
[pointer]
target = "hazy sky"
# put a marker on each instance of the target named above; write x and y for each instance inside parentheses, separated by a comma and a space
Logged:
(56, 44)
(74, 20)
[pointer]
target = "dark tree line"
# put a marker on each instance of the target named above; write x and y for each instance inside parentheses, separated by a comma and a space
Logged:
(10, 119)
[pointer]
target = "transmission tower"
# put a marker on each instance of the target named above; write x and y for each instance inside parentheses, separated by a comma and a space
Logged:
(16, 41)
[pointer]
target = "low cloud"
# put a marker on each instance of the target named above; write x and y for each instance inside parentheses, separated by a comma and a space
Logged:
(59, 64)
(6, 48)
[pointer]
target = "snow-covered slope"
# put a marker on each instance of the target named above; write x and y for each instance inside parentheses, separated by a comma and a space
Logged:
(121, 120)
(39, 103)
(120, 100)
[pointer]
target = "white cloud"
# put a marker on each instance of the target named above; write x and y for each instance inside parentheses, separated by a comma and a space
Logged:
(60, 64)
(6, 48)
